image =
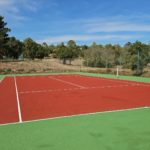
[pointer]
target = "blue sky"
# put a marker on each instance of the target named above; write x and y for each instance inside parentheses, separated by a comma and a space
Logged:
(85, 21)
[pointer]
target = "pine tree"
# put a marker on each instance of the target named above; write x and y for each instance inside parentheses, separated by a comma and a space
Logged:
(3, 37)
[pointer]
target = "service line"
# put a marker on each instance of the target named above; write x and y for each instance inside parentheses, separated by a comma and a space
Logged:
(72, 89)
(70, 83)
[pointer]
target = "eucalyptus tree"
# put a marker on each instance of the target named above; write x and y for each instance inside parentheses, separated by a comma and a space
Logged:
(30, 48)
(138, 57)
(15, 48)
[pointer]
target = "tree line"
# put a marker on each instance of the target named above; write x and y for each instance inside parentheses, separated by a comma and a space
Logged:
(131, 55)
(12, 48)
(134, 56)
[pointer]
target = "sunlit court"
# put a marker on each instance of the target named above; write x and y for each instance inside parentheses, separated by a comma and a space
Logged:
(35, 98)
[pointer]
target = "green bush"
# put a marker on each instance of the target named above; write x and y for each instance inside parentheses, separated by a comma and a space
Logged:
(5, 70)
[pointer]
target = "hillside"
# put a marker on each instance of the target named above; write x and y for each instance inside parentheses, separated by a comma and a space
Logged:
(54, 65)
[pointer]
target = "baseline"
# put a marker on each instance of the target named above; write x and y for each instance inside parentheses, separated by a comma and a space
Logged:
(118, 80)
(78, 115)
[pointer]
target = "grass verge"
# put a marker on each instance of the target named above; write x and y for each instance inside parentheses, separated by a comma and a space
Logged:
(128, 130)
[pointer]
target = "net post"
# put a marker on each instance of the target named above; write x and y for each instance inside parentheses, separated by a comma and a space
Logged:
(117, 72)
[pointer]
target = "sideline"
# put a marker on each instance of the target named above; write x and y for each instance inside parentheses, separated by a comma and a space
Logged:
(18, 101)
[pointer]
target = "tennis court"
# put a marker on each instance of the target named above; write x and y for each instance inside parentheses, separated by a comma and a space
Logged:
(34, 98)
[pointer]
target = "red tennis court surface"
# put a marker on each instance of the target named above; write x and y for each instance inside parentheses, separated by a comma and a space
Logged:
(26, 98)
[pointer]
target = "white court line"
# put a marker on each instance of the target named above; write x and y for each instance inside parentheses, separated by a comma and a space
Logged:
(44, 91)
(78, 115)
(71, 89)
(121, 80)
(18, 101)
(79, 86)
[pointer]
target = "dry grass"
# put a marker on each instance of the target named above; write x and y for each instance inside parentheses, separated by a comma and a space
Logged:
(54, 65)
